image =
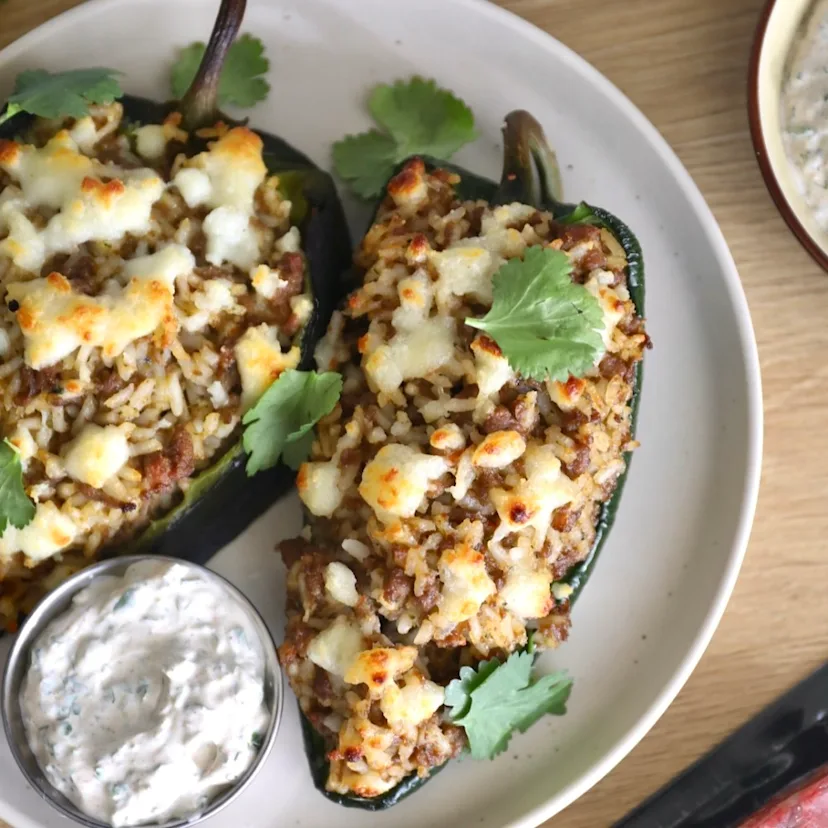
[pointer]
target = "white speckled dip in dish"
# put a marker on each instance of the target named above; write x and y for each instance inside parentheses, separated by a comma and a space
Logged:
(153, 597)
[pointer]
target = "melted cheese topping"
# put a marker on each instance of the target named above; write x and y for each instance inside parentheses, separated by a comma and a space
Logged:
(340, 584)
(527, 593)
(260, 361)
(413, 703)
(492, 368)
(96, 454)
(93, 210)
(378, 668)
(499, 449)
(234, 169)
(231, 238)
(336, 647)
(318, 485)
(410, 354)
(421, 345)
(449, 437)
(151, 141)
(48, 175)
(466, 584)
(395, 482)
(544, 489)
(55, 320)
(611, 306)
(49, 532)
(464, 271)
(266, 282)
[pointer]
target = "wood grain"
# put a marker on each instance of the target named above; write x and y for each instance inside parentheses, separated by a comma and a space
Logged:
(685, 65)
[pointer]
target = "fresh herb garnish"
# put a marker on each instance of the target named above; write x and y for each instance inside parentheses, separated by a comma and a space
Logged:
(546, 325)
(499, 698)
(62, 94)
(256, 740)
(241, 82)
(16, 508)
(415, 117)
(281, 421)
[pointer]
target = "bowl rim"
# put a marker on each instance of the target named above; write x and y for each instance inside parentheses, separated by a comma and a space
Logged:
(43, 614)
(816, 251)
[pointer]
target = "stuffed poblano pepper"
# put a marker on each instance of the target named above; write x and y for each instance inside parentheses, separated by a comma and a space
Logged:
(161, 267)
(460, 488)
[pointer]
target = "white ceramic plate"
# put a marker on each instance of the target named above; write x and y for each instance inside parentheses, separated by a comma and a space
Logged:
(674, 554)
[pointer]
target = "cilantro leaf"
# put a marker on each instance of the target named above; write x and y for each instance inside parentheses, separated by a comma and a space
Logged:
(241, 82)
(546, 325)
(422, 118)
(15, 506)
(417, 117)
(366, 160)
(458, 692)
(500, 698)
(62, 94)
(281, 421)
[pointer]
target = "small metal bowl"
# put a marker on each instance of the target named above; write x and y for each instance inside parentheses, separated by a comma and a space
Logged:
(55, 603)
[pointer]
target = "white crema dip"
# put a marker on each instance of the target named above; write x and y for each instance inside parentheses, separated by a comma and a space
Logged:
(805, 114)
(145, 699)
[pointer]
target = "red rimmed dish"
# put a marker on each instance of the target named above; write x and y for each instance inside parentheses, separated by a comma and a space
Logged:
(778, 32)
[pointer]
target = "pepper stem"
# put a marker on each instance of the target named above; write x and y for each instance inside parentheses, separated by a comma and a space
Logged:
(530, 168)
(199, 106)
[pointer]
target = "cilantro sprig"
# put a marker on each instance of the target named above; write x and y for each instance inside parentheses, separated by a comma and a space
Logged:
(280, 423)
(546, 325)
(415, 117)
(241, 82)
(16, 508)
(62, 94)
(501, 697)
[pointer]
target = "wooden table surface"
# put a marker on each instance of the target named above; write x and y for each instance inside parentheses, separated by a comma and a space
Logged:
(685, 65)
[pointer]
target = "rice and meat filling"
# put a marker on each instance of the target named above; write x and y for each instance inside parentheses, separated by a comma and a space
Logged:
(447, 495)
(149, 299)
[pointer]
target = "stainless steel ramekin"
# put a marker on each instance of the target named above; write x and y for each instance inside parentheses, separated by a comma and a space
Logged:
(57, 602)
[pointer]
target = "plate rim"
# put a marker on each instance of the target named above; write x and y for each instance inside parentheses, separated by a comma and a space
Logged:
(750, 361)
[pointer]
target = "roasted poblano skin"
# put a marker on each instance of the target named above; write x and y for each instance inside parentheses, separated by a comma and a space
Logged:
(221, 500)
(530, 176)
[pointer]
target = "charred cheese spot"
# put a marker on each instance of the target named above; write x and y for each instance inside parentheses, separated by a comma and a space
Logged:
(566, 394)
(448, 438)
(55, 320)
(375, 668)
(395, 482)
(409, 188)
(530, 504)
(499, 450)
